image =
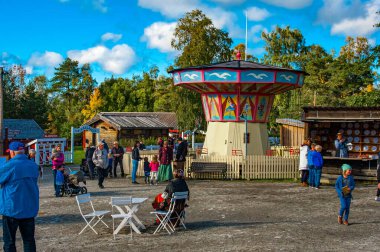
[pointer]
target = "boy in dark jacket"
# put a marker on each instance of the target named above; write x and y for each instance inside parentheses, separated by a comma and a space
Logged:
(146, 170)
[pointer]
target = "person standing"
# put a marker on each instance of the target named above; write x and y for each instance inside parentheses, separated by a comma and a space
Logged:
(344, 186)
(91, 166)
(310, 164)
(19, 200)
(303, 167)
(166, 157)
(318, 165)
(117, 153)
(341, 146)
(58, 159)
(100, 159)
(135, 161)
(180, 157)
(105, 145)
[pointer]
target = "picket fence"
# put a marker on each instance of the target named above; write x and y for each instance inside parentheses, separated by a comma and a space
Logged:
(238, 167)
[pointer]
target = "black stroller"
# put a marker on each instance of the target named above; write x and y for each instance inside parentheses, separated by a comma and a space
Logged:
(71, 184)
(84, 167)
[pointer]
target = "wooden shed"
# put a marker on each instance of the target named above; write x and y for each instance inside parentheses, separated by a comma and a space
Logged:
(115, 126)
(292, 132)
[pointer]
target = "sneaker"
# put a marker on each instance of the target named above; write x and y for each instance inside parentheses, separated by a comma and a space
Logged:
(101, 186)
(345, 223)
(317, 187)
(340, 220)
(135, 182)
(377, 198)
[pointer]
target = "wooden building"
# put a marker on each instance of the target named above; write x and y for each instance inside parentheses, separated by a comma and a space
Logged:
(116, 126)
(359, 125)
(292, 132)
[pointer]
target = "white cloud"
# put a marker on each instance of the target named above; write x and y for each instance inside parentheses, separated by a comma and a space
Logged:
(159, 35)
(255, 32)
(99, 5)
(116, 60)
(290, 4)
(257, 14)
(170, 8)
(337, 10)
(47, 60)
(111, 36)
(229, 2)
(359, 26)
(175, 9)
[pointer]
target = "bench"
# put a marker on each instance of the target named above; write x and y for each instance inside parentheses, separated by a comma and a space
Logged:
(205, 167)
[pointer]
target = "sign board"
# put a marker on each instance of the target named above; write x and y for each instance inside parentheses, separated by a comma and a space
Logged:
(85, 127)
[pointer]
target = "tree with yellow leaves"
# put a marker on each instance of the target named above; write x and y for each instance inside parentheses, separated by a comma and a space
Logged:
(91, 109)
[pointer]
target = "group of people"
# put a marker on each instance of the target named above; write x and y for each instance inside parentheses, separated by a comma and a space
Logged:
(160, 167)
(311, 164)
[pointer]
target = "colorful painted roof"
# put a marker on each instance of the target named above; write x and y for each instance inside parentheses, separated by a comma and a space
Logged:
(238, 77)
(22, 129)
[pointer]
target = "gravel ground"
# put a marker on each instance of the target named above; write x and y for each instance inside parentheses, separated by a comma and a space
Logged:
(223, 216)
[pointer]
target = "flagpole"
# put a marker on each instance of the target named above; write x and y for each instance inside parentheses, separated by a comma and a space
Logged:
(246, 36)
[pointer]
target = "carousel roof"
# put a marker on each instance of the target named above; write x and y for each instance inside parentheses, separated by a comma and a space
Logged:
(238, 76)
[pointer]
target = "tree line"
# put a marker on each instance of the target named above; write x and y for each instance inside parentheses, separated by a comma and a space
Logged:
(72, 96)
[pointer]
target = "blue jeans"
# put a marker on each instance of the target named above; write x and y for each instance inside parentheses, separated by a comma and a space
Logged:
(10, 226)
(317, 176)
(311, 175)
(345, 203)
(135, 165)
(57, 188)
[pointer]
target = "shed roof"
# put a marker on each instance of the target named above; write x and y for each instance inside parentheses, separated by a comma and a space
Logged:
(291, 122)
(336, 114)
(22, 129)
(137, 120)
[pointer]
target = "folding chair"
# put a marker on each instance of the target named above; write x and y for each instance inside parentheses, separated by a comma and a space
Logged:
(181, 215)
(85, 198)
(165, 216)
(118, 203)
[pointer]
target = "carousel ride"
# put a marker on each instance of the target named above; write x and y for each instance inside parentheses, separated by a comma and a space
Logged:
(237, 97)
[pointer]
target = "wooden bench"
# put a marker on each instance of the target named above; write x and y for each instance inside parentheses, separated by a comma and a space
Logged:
(206, 167)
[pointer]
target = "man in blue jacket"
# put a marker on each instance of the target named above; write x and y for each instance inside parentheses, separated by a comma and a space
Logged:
(19, 198)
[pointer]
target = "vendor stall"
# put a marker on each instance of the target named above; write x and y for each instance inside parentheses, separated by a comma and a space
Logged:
(360, 126)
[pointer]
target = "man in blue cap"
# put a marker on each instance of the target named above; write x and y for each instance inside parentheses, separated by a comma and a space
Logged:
(19, 198)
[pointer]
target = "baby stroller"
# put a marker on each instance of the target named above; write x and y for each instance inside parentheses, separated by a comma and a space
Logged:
(71, 184)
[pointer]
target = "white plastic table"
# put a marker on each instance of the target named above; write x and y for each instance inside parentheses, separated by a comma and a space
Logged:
(132, 209)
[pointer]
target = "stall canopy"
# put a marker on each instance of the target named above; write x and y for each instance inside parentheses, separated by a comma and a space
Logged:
(348, 114)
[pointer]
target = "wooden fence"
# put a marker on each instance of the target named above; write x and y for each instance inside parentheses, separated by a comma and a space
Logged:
(238, 167)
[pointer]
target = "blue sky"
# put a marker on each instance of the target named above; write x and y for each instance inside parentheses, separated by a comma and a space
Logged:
(126, 37)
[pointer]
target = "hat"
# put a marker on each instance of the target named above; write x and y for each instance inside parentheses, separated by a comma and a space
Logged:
(100, 143)
(179, 139)
(338, 133)
(164, 195)
(346, 167)
(15, 146)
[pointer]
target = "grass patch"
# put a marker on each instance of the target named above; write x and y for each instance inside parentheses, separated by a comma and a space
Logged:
(78, 154)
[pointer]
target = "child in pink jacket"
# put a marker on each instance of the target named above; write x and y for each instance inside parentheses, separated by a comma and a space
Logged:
(154, 170)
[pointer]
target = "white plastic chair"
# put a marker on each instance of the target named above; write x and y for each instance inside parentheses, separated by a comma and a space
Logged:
(118, 203)
(165, 216)
(94, 215)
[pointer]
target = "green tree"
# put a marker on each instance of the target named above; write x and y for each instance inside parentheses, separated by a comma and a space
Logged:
(200, 43)
(71, 88)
